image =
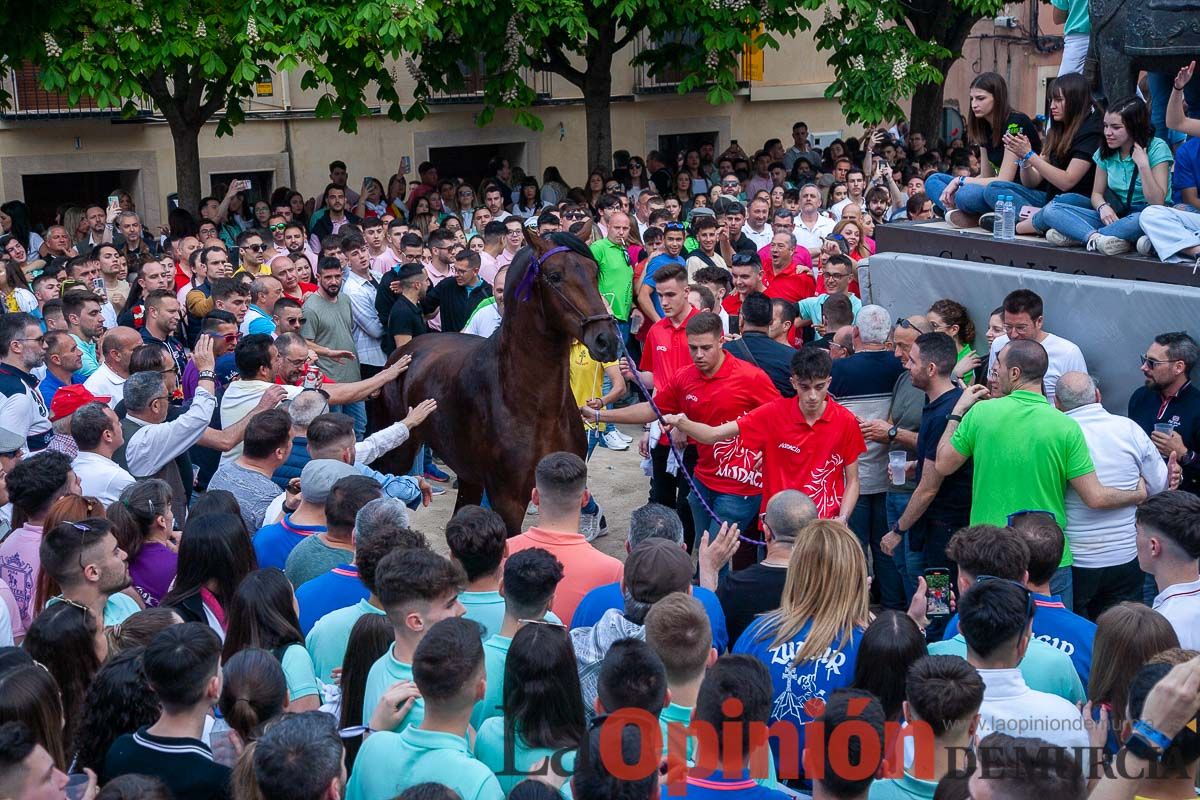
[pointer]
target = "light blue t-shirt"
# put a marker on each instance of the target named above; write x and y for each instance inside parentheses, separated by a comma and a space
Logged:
(1120, 171)
(487, 608)
(1044, 667)
(903, 788)
(495, 653)
(298, 670)
(1078, 22)
(489, 748)
(389, 763)
(810, 307)
(384, 674)
(326, 642)
(118, 608)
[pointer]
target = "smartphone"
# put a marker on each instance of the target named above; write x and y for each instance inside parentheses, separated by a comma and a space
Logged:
(406, 164)
(113, 201)
(245, 184)
(937, 592)
(1014, 129)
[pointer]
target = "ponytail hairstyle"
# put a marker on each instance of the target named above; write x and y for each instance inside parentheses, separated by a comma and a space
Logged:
(1076, 93)
(254, 692)
(140, 506)
(989, 130)
(952, 313)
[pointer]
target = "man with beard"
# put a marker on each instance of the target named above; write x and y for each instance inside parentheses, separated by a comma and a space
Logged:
(712, 390)
(22, 348)
(91, 569)
(1169, 398)
(336, 217)
(294, 243)
(328, 326)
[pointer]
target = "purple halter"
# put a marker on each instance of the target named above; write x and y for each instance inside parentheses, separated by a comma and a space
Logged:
(525, 288)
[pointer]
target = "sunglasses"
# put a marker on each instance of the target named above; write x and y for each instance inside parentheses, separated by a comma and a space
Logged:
(673, 226)
(744, 260)
(258, 248)
(1016, 515)
(542, 622)
(1029, 604)
(1147, 361)
(575, 215)
(280, 227)
(908, 326)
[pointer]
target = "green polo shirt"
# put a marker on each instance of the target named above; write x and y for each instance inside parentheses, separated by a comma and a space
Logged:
(389, 763)
(489, 748)
(495, 653)
(1045, 668)
(327, 640)
(385, 673)
(1023, 451)
(616, 277)
(904, 788)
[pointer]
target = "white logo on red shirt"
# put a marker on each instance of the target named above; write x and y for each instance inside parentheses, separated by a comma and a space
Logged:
(660, 348)
(823, 486)
(691, 398)
(790, 447)
(737, 462)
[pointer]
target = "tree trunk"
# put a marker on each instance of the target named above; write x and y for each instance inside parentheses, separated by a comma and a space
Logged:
(926, 114)
(597, 107)
(187, 163)
(939, 22)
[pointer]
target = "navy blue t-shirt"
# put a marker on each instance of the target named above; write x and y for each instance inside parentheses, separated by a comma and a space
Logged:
(953, 500)
(1147, 409)
(870, 372)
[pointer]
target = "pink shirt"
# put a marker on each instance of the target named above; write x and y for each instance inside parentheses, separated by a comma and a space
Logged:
(19, 566)
(584, 567)
(489, 265)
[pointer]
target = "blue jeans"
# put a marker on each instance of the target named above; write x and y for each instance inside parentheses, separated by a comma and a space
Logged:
(968, 198)
(1160, 84)
(1079, 223)
(358, 412)
(741, 509)
(1069, 199)
(1061, 583)
(869, 523)
(1023, 194)
(909, 563)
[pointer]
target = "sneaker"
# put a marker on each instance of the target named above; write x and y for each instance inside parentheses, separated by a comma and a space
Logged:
(959, 218)
(1108, 245)
(613, 441)
(988, 222)
(624, 438)
(531, 508)
(437, 490)
(1061, 239)
(593, 526)
(436, 475)
(1145, 246)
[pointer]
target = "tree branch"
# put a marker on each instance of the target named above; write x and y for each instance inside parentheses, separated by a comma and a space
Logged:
(217, 98)
(556, 61)
(629, 36)
(155, 85)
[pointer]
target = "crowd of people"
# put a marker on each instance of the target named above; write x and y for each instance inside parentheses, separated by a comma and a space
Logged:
(208, 591)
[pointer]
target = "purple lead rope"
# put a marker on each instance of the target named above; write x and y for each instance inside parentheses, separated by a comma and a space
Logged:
(637, 378)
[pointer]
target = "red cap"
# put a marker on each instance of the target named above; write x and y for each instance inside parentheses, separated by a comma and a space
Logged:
(68, 399)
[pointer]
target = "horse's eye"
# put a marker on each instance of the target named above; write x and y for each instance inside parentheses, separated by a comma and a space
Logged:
(554, 277)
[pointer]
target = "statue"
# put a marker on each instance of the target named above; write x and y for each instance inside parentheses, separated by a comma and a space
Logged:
(1132, 35)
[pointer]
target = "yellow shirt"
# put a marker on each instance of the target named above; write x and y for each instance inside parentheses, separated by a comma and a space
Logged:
(587, 376)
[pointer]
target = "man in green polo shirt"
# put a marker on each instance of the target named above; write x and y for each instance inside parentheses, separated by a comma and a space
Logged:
(616, 273)
(417, 589)
(448, 668)
(1024, 450)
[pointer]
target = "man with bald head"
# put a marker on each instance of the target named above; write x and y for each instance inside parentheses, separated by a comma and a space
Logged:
(116, 348)
(264, 291)
(1103, 541)
(1025, 452)
(616, 271)
(283, 269)
(748, 592)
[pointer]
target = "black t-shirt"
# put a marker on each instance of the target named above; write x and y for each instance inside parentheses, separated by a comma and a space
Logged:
(1084, 145)
(186, 766)
(747, 593)
(455, 302)
(405, 318)
(953, 499)
(1147, 409)
(770, 356)
(995, 152)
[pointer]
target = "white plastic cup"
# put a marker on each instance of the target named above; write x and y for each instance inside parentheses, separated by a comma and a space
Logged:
(1164, 428)
(77, 783)
(898, 466)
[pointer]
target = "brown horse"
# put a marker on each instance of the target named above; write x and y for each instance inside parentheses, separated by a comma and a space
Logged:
(505, 402)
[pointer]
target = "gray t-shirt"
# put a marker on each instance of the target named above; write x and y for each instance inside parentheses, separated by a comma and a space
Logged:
(907, 404)
(329, 324)
(253, 490)
(313, 558)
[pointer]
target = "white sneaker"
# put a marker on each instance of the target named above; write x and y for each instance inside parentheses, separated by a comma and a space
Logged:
(593, 526)
(1108, 245)
(624, 438)
(531, 508)
(613, 441)
(1145, 246)
(1061, 239)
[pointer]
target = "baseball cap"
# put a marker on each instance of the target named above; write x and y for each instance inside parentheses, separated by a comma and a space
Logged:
(318, 477)
(655, 568)
(69, 399)
(701, 211)
(10, 442)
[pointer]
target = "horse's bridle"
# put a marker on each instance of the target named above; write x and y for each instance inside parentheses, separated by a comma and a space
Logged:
(525, 288)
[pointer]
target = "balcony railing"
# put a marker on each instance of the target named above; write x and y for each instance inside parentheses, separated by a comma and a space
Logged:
(668, 80)
(29, 100)
(474, 79)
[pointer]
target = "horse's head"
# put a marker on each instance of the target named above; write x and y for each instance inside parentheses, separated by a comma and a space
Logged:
(560, 272)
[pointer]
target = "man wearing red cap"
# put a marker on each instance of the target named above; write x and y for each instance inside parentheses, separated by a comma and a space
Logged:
(97, 432)
(67, 401)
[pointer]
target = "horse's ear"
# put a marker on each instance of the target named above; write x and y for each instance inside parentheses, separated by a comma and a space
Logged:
(538, 244)
(585, 231)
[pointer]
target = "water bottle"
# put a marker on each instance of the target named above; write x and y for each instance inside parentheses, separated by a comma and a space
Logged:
(1009, 219)
(1000, 211)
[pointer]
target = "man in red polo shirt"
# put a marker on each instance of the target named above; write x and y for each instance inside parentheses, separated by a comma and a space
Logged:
(747, 278)
(788, 274)
(713, 389)
(664, 353)
(809, 443)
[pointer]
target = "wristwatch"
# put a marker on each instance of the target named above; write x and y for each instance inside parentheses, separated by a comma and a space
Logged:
(955, 417)
(1146, 742)
(892, 432)
(208, 375)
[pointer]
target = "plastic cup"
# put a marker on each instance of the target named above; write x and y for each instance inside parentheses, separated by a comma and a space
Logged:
(1165, 428)
(77, 783)
(897, 466)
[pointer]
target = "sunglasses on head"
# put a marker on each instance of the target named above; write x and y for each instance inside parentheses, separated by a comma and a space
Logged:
(673, 226)
(1029, 604)
(903, 322)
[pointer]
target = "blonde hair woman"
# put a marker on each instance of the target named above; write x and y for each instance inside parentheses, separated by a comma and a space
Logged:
(810, 643)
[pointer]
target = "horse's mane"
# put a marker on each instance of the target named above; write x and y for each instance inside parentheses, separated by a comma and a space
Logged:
(524, 256)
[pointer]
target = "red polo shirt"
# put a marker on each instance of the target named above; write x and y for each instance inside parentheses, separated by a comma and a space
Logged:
(736, 388)
(796, 455)
(666, 349)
